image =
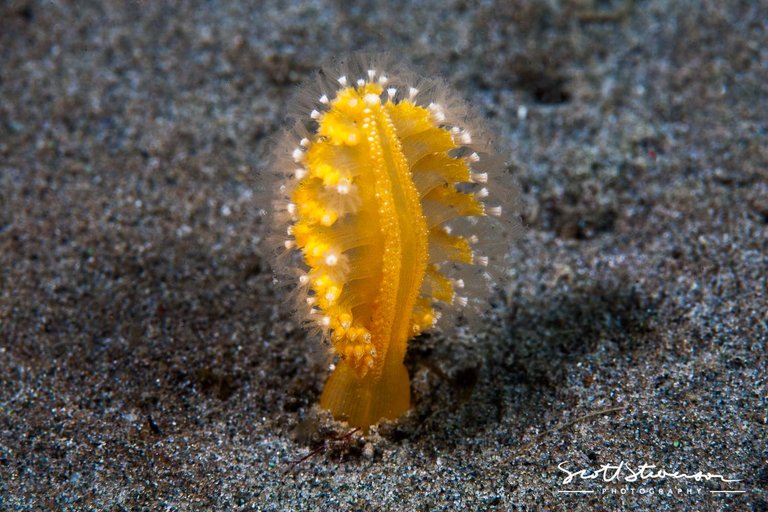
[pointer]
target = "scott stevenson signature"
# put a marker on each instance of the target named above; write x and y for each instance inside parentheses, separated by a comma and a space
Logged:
(624, 472)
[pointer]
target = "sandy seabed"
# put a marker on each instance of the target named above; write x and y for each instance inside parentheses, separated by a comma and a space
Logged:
(147, 363)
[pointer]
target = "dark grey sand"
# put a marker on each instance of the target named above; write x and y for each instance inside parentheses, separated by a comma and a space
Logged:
(146, 362)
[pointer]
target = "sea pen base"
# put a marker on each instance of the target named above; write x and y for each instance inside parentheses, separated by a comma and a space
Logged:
(364, 401)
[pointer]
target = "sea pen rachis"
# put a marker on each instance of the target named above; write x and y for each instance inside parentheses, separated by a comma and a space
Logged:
(382, 198)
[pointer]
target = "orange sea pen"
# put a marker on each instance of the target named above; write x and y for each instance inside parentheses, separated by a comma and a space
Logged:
(382, 197)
